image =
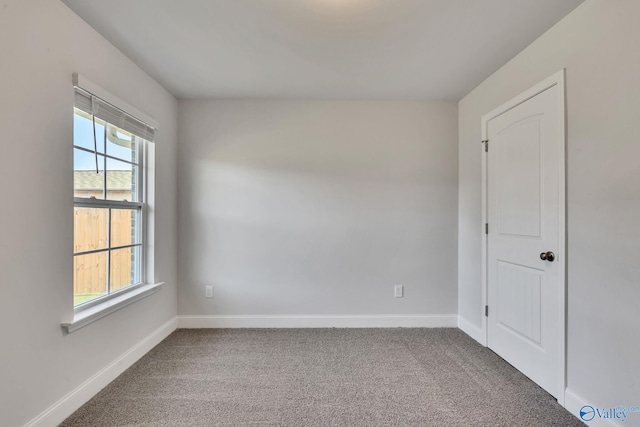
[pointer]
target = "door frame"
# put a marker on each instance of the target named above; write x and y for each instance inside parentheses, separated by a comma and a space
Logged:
(557, 79)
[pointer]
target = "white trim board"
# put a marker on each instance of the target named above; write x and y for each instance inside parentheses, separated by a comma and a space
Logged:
(320, 321)
(573, 403)
(470, 329)
(66, 406)
(82, 318)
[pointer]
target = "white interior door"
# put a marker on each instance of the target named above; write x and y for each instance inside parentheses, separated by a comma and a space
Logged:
(525, 237)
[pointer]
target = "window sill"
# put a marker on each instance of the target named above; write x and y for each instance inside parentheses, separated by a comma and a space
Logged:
(98, 311)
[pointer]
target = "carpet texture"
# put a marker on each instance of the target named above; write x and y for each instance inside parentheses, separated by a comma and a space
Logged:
(321, 377)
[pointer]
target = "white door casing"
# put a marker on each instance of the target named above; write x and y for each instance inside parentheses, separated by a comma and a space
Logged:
(524, 207)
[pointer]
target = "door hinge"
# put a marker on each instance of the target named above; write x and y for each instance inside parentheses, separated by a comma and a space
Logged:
(486, 228)
(486, 145)
(486, 311)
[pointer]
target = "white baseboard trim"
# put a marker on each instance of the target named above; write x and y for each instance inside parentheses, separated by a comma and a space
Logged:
(472, 330)
(573, 403)
(66, 406)
(319, 321)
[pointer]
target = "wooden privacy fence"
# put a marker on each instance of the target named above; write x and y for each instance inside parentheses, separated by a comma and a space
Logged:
(91, 232)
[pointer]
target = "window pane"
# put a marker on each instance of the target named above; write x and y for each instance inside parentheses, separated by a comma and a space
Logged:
(86, 182)
(90, 229)
(89, 277)
(83, 131)
(121, 144)
(121, 181)
(124, 227)
(125, 268)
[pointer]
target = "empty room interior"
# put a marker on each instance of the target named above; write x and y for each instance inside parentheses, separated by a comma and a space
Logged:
(320, 213)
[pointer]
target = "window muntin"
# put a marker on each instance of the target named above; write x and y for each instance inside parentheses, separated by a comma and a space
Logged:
(108, 211)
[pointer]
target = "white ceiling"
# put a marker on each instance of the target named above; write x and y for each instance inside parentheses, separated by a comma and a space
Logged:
(384, 49)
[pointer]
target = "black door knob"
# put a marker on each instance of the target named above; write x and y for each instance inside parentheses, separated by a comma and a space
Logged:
(547, 256)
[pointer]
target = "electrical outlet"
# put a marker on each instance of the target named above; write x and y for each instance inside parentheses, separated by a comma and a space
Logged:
(398, 291)
(208, 291)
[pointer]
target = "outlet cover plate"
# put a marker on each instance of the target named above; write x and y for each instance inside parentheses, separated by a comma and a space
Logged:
(398, 291)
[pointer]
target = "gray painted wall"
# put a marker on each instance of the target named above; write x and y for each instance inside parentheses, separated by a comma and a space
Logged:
(599, 45)
(317, 207)
(42, 44)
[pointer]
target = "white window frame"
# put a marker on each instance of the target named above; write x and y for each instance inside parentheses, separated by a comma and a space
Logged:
(140, 206)
(93, 310)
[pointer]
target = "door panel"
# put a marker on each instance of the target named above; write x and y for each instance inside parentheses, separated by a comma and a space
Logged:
(519, 305)
(524, 292)
(518, 179)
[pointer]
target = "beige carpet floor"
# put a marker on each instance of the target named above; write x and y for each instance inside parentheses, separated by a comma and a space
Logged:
(321, 377)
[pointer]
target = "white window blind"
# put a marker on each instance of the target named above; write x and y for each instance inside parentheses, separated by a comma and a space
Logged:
(92, 104)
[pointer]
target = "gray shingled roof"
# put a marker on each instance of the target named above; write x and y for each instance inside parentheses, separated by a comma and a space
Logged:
(92, 181)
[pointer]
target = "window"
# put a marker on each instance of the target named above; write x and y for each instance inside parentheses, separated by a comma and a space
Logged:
(109, 147)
